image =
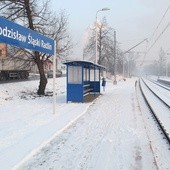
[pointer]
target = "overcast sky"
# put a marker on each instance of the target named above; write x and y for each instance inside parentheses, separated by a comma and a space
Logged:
(133, 20)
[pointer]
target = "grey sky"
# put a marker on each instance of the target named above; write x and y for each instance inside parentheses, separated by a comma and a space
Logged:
(133, 20)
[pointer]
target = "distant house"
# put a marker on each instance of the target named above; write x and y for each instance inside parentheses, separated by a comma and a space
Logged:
(48, 65)
(3, 50)
(19, 61)
(60, 65)
(11, 63)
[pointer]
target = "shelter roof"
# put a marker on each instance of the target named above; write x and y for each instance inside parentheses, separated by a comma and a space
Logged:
(86, 64)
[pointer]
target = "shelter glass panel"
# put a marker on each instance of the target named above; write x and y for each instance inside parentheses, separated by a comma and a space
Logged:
(97, 75)
(86, 74)
(91, 74)
(88, 78)
(75, 75)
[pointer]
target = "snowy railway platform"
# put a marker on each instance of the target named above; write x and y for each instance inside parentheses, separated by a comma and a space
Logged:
(115, 131)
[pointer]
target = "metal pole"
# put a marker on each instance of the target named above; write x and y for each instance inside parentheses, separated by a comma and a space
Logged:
(123, 67)
(103, 9)
(167, 64)
(129, 51)
(54, 77)
(96, 36)
(166, 68)
(158, 69)
(114, 82)
(128, 67)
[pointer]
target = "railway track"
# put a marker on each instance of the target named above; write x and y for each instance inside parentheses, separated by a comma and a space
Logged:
(158, 106)
(165, 86)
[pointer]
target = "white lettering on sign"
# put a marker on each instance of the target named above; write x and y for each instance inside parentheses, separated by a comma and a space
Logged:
(34, 42)
(10, 33)
(46, 45)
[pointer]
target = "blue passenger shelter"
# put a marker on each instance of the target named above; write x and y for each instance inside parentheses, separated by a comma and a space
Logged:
(83, 78)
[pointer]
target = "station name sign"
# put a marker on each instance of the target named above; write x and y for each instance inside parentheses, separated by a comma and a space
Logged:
(17, 35)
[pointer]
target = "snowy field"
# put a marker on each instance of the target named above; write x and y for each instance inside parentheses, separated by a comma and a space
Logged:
(113, 132)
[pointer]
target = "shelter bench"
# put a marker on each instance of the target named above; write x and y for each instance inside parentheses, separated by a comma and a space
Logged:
(87, 89)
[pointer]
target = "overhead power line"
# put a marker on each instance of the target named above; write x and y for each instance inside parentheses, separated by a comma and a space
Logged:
(159, 37)
(160, 22)
(156, 40)
(135, 46)
(159, 34)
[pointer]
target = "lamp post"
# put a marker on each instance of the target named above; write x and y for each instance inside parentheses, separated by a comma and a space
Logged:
(115, 82)
(103, 9)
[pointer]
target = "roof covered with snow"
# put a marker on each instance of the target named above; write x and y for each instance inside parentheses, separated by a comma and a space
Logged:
(86, 64)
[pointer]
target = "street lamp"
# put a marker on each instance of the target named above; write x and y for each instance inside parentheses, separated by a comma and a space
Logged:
(103, 9)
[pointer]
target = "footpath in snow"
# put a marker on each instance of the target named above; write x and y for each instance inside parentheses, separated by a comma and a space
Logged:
(109, 133)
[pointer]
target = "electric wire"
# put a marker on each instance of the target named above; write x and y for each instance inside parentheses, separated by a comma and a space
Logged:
(159, 34)
(160, 22)
(155, 41)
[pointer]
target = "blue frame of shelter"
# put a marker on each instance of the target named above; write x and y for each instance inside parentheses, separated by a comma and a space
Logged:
(83, 77)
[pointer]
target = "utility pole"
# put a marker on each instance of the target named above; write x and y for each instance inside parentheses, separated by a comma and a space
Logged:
(128, 57)
(167, 64)
(114, 49)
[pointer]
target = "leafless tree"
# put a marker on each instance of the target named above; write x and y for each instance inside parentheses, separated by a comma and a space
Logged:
(162, 61)
(104, 41)
(38, 17)
(105, 46)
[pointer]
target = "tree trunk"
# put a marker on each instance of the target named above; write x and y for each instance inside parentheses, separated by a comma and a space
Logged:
(39, 62)
(43, 79)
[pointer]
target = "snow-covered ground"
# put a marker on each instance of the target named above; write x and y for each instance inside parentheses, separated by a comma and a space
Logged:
(113, 132)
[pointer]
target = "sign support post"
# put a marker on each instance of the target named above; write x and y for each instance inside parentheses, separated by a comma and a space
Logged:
(54, 77)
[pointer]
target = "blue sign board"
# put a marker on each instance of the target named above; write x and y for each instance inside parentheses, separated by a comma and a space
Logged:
(17, 35)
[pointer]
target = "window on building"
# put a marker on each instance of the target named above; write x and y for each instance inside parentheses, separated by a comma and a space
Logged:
(0, 52)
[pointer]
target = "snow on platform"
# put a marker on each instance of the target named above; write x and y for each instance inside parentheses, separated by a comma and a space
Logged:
(108, 133)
